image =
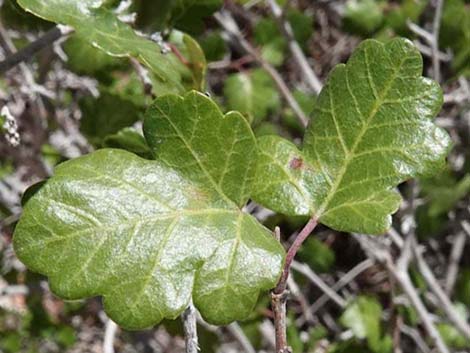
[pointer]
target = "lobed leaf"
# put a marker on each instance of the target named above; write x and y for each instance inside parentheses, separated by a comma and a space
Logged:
(149, 235)
(373, 129)
(101, 28)
(215, 150)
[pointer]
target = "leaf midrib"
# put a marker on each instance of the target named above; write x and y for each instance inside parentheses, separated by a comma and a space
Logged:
(196, 157)
(323, 209)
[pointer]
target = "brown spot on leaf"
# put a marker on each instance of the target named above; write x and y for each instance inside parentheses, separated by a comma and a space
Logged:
(296, 163)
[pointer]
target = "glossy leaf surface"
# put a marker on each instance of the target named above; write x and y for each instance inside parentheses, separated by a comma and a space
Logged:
(372, 129)
(190, 134)
(102, 29)
(148, 235)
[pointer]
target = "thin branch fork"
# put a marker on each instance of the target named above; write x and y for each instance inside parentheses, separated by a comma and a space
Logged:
(446, 304)
(343, 281)
(400, 272)
(432, 282)
(432, 38)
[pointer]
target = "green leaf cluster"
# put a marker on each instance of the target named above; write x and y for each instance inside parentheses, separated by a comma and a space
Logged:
(148, 235)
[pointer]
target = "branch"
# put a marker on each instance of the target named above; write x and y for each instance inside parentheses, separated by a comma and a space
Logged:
(304, 233)
(400, 272)
(317, 281)
(435, 44)
(109, 336)
(307, 72)
(403, 278)
(240, 336)
(343, 281)
(432, 38)
(230, 26)
(27, 52)
(280, 293)
(278, 304)
(456, 253)
(466, 227)
(446, 304)
(189, 318)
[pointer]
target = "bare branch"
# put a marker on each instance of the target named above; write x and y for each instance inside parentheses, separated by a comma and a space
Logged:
(432, 38)
(278, 304)
(109, 336)
(189, 318)
(317, 281)
(456, 253)
(435, 44)
(240, 336)
(444, 300)
(400, 273)
(229, 25)
(27, 52)
(307, 72)
(299, 296)
(343, 281)
(299, 239)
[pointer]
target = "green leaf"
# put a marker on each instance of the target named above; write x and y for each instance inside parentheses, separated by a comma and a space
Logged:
(302, 26)
(188, 15)
(213, 45)
(463, 287)
(452, 336)
(317, 255)
(106, 115)
(252, 93)
(455, 33)
(441, 193)
(85, 59)
(363, 317)
(194, 54)
(274, 44)
(372, 129)
(130, 140)
(363, 16)
(398, 14)
(148, 235)
(267, 35)
(190, 134)
(101, 28)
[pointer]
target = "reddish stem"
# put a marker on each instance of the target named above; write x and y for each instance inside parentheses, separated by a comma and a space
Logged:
(304, 233)
(279, 294)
